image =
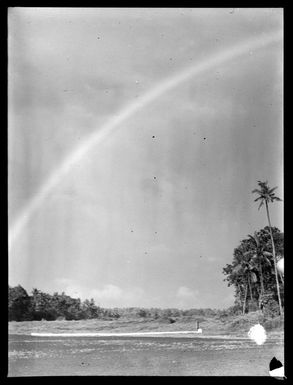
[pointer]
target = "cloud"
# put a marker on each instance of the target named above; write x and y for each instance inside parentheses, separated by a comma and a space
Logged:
(112, 295)
(187, 298)
(108, 295)
(108, 292)
(184, 292)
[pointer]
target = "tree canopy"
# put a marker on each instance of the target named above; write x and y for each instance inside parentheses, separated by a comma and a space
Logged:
(252, 271)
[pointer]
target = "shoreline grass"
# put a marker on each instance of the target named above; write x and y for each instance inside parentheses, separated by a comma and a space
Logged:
(229, 325)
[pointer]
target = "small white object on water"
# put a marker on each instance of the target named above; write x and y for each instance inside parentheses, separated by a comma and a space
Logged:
(199, 330)
(258, 334)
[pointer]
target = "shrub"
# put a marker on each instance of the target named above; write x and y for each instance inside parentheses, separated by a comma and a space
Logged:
(270, 307)
(252, 306)
(18, 304)
(274, 323)
(142, 313)
(247, 320)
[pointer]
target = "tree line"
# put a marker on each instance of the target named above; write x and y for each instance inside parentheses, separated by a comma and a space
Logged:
(253, 271)
(40, 305)
(43, 306)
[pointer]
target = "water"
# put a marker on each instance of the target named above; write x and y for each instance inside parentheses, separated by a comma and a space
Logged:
(183, 356)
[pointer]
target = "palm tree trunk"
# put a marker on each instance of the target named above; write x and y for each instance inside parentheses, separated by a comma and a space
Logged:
(238, 291)
(274, 257)
(262, 290)
(259, 297)
(250, 289)
(244, 302)
(261, 279)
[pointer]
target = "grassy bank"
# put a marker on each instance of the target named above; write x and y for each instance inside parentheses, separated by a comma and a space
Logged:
(217, 325)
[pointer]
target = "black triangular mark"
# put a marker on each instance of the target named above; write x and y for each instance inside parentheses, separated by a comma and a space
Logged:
(275, 364)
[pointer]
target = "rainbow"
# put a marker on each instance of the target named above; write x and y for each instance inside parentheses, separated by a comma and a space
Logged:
(129, 110)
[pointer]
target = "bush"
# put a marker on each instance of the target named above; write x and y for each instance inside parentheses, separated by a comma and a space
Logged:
(253, 306)
(274, 323)
(142, 313)
(270, 306)
(18, 304)
(247, 320)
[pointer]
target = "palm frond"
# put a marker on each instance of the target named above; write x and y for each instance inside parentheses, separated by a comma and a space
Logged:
(262, 184)
(267, 254)
(268, 261)
(261, 203)
(272, 189)
(251, 237)
(257, 199)
(256, 239)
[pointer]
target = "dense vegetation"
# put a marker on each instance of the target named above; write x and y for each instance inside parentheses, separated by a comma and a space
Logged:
(253, 272)
(40, 305)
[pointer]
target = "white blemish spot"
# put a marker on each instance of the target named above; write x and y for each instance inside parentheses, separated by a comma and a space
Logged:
(257, 333)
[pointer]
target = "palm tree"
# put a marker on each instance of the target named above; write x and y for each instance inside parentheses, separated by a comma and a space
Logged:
(245, 269)
(260, 257)
(237, 271)
(267, 195)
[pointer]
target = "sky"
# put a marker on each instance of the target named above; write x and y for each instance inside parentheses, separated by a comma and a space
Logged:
(135, 138)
